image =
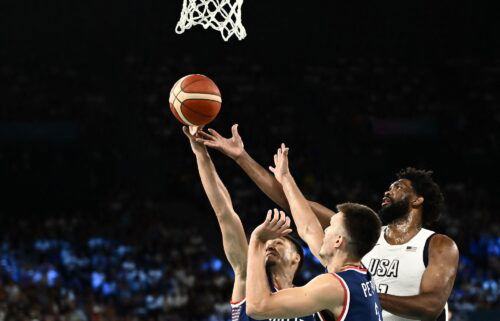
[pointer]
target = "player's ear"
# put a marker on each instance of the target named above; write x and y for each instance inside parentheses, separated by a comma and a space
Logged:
(419, 201)
(296, 258)
(338, 242)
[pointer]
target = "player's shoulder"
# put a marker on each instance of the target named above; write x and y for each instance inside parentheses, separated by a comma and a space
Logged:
(442, 240)
(442, 244)
(328, 286)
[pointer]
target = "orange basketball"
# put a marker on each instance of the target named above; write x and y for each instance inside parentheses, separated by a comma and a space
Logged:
(195, 100)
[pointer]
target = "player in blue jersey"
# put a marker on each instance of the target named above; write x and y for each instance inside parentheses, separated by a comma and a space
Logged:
(283, 255)
(347, 292)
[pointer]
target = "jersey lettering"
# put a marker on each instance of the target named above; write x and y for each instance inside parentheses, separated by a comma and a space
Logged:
(384, 267)
(393, 269)
(368, 288)
(362, 296)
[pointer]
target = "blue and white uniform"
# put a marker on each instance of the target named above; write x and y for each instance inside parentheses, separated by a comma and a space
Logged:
(239, 311)
(361, 301)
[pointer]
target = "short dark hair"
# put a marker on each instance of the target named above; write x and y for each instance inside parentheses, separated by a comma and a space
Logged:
(422, 182)
(363, 226)
(298, 249)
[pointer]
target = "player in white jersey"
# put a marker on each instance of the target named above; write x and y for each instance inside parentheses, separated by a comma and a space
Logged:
(414, 268)
(411, 203)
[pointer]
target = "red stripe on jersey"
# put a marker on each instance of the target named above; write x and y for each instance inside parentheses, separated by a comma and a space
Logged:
(236, 302)
(345, 296)
(354, 267)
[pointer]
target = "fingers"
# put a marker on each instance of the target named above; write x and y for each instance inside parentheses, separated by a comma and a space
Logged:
(281, 152)
(215, 133)
(280, 157)
(277, 224)
(286, 232)
(234, 131)
(207, 143)
(269, 216)
(276, 218)
(279, 221)
(285, 228)
(206, 135)
(272, 169)
(186, 132)
(284, 149)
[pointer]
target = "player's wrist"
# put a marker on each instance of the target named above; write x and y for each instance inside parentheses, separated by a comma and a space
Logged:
(256, 240)
(287, 177)
(201, 153)
(240, 157)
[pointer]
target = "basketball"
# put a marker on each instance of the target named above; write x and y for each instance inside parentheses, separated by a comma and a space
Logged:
(195, 100)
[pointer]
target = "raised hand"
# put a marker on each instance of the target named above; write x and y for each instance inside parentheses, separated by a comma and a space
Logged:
(232, 146)
(274, 226)
(280, 168)
(195, 146)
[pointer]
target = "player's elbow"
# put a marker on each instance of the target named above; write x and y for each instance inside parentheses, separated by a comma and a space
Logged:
(431, 312)
(304, 231)
(255, 311)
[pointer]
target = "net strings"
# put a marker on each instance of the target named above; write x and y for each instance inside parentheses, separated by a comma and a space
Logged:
(221, 15)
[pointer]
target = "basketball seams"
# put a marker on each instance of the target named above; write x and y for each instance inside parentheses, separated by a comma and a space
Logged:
(197, 96)
(174, 111)
(210, 81)
(182, 116)
(189, 107)
(200, 92)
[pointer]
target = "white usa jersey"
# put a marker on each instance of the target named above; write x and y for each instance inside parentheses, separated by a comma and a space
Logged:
(398, 269)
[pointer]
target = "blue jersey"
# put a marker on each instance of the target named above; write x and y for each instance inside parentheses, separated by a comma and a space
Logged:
(239, 313)
(361, 302)
(239, 310)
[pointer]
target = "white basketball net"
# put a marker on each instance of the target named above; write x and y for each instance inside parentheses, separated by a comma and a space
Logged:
(221, 15)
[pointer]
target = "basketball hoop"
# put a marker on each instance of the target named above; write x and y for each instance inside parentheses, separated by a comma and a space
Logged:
(222, 15)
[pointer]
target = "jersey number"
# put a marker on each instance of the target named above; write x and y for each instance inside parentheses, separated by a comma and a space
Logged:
(383, 288)
(377, 312)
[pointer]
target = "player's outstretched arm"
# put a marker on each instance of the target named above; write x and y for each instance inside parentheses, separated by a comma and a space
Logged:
(308, 226)
(233, 235)
(435, 287)
(234, 148)
(322, 293)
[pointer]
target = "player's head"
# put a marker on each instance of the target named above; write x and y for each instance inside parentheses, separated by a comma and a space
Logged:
(414, 189)
(354, 230)
(285, 251)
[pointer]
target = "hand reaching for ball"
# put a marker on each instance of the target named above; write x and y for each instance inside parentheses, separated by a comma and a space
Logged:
(195, 146)
(232, 146)
(280, 168)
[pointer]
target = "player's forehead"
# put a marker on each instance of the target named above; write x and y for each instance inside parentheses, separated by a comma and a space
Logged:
(282, 240)
(336, 218)
(403, 182)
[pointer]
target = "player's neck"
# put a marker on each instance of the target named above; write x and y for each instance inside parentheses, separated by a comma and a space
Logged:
(340, 261)
(404, 229)
(281, 278)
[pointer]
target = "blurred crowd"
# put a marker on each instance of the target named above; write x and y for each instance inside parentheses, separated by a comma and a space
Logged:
(133, 269)
(111, 223)
(128, 265)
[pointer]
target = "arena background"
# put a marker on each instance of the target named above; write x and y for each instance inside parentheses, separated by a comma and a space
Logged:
(102, 212)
